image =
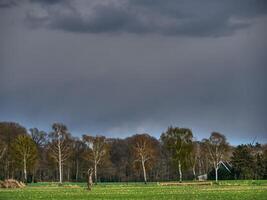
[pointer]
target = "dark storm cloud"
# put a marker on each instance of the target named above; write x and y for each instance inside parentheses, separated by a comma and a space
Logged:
(121, 84)
(47, 1)
(8, 3)
(11, 3)
(168, 17)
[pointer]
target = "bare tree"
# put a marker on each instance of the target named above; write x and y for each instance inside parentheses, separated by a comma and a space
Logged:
(217, 147)
(78, 151)
(39, 137)
(144, 151)
(97, 150)
(60, 146)
(194, 157)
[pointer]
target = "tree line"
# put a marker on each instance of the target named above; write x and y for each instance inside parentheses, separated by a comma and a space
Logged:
(34, 155)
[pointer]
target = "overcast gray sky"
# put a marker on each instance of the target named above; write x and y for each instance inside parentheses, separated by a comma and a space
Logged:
(120, 67)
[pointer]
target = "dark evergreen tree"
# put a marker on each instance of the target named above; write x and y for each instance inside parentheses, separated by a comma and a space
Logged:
(243, 162)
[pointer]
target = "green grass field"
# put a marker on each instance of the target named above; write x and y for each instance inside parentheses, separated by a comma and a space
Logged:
(69, 191)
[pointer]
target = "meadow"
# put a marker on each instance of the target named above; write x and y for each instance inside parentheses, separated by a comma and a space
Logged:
(224, 190)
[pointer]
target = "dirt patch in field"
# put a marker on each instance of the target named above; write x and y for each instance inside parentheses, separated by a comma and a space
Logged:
(11, 183)
(72, 186)
(184, 184)
(235, 188)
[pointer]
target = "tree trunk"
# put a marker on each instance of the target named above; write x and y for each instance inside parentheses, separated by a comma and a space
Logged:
(33, 172)
(77, 171)
(144, 171)
(59, 162)
(95, 167)
(40, 175)
(89, 178)
(180, 171)
(216, 174)
(25, 169)
(60, 172)
(68, 174)
(194, 172)
(199, 167)
(8, 172)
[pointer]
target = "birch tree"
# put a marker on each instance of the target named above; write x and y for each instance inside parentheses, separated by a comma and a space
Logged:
(97, 151)
(194, 157)
(144, 151)
(25, 153)
(217, 148)
(178, 141)
(60, 146)
(78, 151)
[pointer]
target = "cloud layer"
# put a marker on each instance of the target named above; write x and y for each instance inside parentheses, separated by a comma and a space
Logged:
(119, 67)
(7, 3)
(168, 17)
